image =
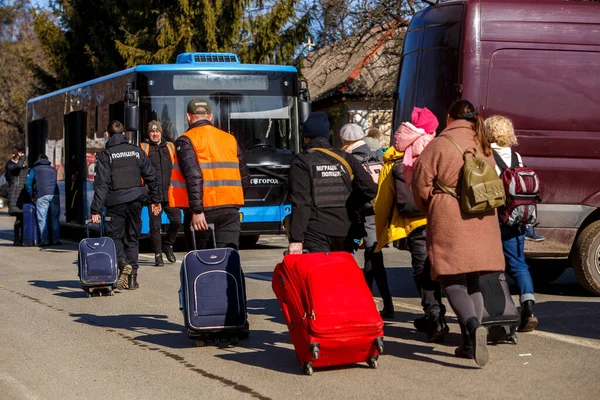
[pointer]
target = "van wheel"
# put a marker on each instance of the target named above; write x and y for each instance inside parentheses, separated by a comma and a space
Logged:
(248, 242)
(545, 271)
(586, 258)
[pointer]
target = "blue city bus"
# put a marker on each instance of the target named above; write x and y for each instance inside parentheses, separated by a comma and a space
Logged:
(261, 105)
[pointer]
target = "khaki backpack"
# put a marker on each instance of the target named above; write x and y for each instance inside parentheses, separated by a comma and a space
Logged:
(481, 189)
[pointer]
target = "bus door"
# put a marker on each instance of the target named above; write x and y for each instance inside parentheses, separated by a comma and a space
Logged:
(75, 166)
(37, 132)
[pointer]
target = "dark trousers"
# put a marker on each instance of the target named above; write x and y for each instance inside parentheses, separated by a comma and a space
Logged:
(429, 290)
(123, 224)
(315, 242)
(174, 216)
(227, 229)
(18, 229)
(375, 271)
(464, 295)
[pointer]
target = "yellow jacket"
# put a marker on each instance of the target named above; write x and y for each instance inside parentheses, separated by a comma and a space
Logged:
(389, 224)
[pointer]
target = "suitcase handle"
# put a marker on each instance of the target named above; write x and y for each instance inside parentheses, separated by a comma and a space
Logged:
(211, 228)
(101, 224)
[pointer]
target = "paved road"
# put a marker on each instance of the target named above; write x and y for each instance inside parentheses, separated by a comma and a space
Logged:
(57, 344)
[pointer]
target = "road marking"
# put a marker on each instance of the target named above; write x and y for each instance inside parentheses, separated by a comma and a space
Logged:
(18, 385)
(567, 339)
(258, 277)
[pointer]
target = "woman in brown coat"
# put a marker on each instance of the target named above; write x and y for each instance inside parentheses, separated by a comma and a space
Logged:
(459, 245)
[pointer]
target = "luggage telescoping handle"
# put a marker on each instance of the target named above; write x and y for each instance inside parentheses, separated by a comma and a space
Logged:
(101, 224)
(211, 228)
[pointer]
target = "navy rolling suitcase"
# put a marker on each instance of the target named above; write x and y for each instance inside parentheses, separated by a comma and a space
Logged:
(30, 226)
(500, 315)
(97, 262)
(213, 296)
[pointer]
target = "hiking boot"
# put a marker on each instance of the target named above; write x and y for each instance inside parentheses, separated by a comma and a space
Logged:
(528, 321)
(124, 274)
(438, 328)
(421, 324)
(168, 250)
(132, 282)
(158, 260)
(387, 313)
(479, 339)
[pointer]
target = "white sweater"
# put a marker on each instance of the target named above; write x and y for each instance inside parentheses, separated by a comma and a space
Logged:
(506, 155)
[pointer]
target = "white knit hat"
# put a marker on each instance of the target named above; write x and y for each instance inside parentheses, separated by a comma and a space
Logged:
(352, 133)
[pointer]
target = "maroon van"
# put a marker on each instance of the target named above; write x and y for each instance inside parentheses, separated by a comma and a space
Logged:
(538, 63)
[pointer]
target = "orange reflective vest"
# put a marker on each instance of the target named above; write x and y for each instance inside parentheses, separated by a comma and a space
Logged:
(217, 154)
(170, 147)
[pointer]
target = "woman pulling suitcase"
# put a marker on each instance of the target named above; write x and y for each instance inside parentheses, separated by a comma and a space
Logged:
(460, 245)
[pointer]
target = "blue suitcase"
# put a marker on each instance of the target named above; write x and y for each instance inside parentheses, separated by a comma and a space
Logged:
(97, 262)
(212, 296)
(30, 226)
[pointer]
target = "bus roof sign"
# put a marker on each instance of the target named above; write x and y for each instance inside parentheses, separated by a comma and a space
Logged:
(203, 58)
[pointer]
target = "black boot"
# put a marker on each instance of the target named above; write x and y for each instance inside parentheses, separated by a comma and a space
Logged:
(388, 308)
(528, 321)
(479, 339)
(132, 282)
(158, 260)
(465, 350)
(168, 250)
(438, 328)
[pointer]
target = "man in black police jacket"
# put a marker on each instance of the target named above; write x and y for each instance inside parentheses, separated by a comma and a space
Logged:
(323, 196)
(120, 168)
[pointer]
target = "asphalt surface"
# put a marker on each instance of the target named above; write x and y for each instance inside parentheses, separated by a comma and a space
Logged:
(55, 343)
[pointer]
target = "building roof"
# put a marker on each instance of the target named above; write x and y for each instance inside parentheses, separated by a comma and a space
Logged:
(357, 66)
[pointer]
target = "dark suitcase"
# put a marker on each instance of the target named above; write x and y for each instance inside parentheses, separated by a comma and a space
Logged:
(213, 296)
(97, 263)
(329, 310)
(30, 226)
(500, 315)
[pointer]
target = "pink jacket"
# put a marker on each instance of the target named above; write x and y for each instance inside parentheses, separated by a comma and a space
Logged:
(411, 141)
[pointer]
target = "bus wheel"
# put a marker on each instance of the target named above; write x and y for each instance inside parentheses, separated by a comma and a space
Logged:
(586, 258)
(248, 242)
(545, 271)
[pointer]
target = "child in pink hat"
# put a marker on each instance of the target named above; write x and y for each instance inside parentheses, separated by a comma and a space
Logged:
(412, 138)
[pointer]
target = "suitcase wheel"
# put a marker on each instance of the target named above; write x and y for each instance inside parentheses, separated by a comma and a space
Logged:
(233, 340)
(88, 293)
(379, 344)
(199, 343)
(307, 368)
(373, 363)
(513, 338)
(217, 341)
(314, 348)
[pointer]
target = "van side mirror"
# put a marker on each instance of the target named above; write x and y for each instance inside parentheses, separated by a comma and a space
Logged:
(132, 110)
(304, 107)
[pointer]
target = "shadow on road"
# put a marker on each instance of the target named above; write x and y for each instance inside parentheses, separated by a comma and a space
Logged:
(572, 318)
(131, 322)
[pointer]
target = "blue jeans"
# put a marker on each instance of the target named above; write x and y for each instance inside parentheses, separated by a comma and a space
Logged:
(513, 245)
(48, 211)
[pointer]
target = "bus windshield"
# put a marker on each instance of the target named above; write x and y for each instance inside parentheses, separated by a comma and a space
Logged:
(256, 121)
(259, 110)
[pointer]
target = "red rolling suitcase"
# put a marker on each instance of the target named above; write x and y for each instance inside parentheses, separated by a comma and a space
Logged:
(329, 310)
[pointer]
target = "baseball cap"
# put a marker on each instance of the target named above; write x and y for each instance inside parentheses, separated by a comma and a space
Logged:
(154, 126)
(195, 104)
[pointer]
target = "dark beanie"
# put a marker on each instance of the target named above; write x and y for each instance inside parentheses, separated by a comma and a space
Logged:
(316, 125)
